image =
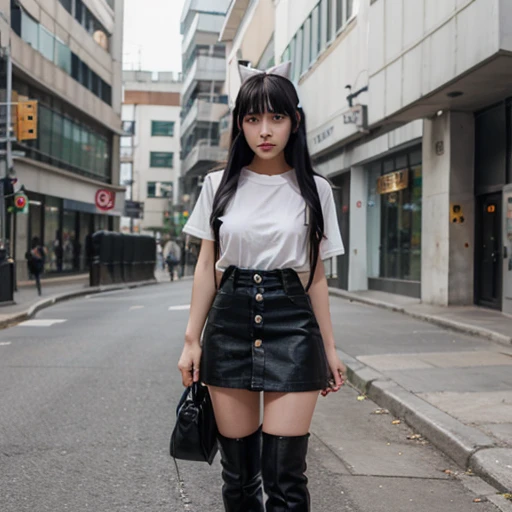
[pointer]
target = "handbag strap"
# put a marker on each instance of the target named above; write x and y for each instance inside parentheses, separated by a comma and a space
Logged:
(181, 487)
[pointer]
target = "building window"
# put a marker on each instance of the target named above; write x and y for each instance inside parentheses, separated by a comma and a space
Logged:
(306, 45)
(162, 128)
(394, 217)
(315, 33)
(159, 189)
(339, 14)
(161, 159)
(30, 30)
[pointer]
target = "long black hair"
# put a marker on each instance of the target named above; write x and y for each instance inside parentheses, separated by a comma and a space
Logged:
(271, 93)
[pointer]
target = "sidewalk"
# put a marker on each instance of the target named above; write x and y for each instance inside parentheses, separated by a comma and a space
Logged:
(28, 302)
(453, 386)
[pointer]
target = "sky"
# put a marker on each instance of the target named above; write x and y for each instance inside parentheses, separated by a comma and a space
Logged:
(152, 39)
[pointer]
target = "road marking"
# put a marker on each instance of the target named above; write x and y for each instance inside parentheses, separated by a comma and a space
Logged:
(136, 307)
(40, 323)
(179, 308)
(4, 343)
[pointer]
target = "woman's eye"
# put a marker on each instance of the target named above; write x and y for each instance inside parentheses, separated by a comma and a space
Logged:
(278, 117)
(251, 119)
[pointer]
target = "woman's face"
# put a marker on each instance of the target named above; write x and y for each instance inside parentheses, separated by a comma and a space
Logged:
(267, 134)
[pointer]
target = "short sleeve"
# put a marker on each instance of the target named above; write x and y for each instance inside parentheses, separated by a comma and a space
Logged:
(198, 224)
(332, 244)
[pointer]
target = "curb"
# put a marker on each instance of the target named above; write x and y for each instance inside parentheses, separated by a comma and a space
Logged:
(442, 322)
(467, 446)
(55, 299)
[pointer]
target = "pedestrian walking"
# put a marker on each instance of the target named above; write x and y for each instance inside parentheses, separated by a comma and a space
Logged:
(268, 326)
(36, 258)
(172, 254)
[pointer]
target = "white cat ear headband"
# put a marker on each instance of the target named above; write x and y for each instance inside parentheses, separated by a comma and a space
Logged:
(284, 69)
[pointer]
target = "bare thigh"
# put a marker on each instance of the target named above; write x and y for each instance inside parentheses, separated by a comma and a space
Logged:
(237, 411)
(288, 414)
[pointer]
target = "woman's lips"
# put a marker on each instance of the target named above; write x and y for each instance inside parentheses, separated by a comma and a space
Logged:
(266, 147)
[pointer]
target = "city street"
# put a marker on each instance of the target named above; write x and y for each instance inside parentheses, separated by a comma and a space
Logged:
(89, 389)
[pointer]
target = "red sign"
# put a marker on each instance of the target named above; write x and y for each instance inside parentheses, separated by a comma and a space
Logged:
(105, 199)
(359, 204)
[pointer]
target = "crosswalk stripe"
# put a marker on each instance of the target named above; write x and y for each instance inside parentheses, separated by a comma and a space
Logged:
(179, 308)
(41, 323)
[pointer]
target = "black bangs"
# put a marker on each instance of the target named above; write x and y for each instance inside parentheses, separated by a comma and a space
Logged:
(267, 93)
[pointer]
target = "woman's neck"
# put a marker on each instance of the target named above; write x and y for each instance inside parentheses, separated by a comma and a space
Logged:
(272, 167)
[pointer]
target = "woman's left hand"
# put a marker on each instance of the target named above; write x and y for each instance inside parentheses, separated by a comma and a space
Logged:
(338, 372)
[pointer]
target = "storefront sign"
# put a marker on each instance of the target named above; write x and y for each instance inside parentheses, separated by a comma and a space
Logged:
(393, 182)
(323, 135)
(105, 199)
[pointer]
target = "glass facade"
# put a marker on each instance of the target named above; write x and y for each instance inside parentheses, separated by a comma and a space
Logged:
(394, 217)
(55, 50)
(65, 232)
(64, 141)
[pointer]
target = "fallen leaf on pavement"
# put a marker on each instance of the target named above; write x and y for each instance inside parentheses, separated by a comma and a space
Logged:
(396, 422)
(507, 495)
(448, 472)
(380, 411)
(361, 398)
(477, 500)
(414, 436)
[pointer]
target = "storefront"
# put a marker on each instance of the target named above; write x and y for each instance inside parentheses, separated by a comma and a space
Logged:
(65, 227)
(394, 223)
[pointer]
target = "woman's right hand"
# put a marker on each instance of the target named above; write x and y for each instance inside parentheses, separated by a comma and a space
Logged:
(189, 363)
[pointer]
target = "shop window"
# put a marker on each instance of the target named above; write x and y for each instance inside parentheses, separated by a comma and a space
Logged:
(315, 33)
(162, 128)
(394, 218)
(339, 14)
(70, 244)
(52, 238)
(161, 159)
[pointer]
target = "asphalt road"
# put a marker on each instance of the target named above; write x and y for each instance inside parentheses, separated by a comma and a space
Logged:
(87, 401)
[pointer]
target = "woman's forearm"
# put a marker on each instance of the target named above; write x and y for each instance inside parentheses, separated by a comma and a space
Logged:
(319, 295)
(203, 293)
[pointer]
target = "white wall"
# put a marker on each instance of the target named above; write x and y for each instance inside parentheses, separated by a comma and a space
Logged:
(144, 143)
(416, 46)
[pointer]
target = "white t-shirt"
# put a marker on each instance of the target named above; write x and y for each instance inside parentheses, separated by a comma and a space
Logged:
(264, 225)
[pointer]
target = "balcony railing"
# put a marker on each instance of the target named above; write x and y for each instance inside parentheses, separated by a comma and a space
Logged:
(203, 154)
(203, 109)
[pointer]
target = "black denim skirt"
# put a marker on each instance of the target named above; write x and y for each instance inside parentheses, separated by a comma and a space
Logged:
(261, 334)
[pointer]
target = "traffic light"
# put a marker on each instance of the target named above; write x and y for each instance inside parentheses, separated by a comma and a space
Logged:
(26, 120)
(20, 202)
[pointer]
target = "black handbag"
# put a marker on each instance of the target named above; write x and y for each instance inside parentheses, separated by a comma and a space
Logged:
(194, 436)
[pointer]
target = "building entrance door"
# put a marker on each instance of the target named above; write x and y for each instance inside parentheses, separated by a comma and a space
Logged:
(489, 251)
(507, 250)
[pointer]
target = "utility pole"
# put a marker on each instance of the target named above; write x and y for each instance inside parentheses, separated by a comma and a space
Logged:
(5, 156)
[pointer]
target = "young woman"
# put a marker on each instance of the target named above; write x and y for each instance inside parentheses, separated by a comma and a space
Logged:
(268, 326)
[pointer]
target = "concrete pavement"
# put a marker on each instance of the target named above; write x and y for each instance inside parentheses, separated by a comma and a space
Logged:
(27, 302)
(451, 387)
(88, 400)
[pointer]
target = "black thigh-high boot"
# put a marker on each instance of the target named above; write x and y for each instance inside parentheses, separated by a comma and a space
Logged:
(283, 467)
(241, 462)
